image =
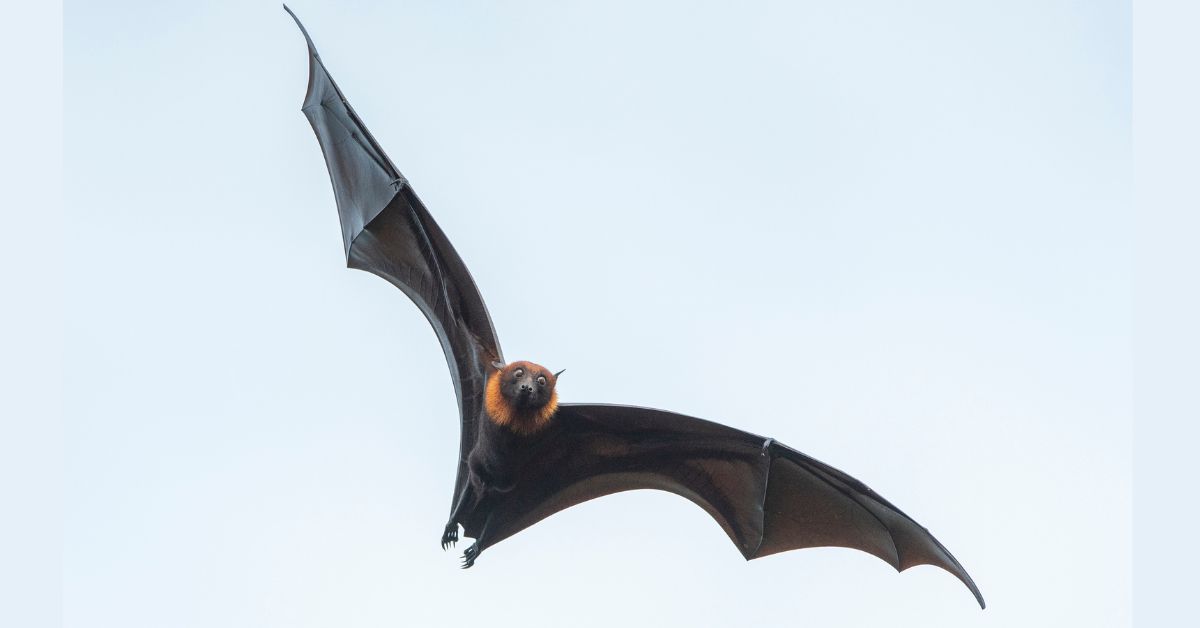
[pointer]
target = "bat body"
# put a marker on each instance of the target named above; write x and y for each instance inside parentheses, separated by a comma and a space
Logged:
(524, 456)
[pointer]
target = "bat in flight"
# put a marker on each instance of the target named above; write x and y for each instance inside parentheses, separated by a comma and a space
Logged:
(524, 456)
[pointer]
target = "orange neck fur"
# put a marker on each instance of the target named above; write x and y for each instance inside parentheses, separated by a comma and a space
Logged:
(522, 422)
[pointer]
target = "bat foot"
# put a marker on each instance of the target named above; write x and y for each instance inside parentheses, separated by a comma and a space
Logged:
(469, 556)
(450, 536)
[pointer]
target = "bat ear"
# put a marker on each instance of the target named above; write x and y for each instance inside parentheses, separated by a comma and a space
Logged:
(498, 365)
(558, 373)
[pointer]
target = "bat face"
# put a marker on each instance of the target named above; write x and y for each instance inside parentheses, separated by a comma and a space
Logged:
(526, 386)
(521, 397)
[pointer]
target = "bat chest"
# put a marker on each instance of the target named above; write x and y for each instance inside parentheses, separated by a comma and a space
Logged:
(496, 461)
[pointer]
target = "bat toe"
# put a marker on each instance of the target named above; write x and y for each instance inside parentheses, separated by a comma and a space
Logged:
(469, 556)
(450, 536)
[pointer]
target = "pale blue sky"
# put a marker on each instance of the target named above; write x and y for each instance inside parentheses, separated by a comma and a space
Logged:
(935, 198)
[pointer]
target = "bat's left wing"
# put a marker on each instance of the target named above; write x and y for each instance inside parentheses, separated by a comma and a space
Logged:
(387, 231)
(767, 497)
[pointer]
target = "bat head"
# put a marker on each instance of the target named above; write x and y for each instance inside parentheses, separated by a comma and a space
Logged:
(527, 386)
(521, 396)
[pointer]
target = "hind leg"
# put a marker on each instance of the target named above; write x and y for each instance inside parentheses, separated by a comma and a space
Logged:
(467, 501)
(450, 536)
(473, 552)
(469, 556)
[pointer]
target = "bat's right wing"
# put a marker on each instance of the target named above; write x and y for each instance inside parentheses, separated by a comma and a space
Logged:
(767, 497)
(387, 231)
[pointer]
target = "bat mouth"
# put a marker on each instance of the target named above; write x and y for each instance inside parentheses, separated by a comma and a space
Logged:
(526, 399)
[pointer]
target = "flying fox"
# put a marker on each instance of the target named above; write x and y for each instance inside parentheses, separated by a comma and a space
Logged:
(524, 456)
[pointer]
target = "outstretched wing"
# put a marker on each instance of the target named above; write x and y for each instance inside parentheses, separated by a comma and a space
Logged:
(387, 231)
(767, 497)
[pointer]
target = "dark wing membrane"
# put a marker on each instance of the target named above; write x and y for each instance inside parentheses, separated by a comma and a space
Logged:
(811, 504)
(767, 497)
(387, 231)
(595, 450)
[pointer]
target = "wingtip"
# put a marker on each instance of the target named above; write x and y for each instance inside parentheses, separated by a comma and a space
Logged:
(958, 572)
(312, 49)
(967, 580)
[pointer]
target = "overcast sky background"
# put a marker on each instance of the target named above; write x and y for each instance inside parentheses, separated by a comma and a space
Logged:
(903, 230)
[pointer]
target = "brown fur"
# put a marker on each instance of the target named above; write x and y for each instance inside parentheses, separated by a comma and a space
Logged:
(523, 422)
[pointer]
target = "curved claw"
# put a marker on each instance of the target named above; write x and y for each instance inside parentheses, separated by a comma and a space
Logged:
(450, 536)
(469, 556)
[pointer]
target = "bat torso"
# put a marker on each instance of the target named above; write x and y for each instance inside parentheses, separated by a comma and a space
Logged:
(515, 422)
(499, 453)
(496, 467)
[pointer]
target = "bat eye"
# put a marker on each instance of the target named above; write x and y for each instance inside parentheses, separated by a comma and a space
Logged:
(519, 372)
(541, 381)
